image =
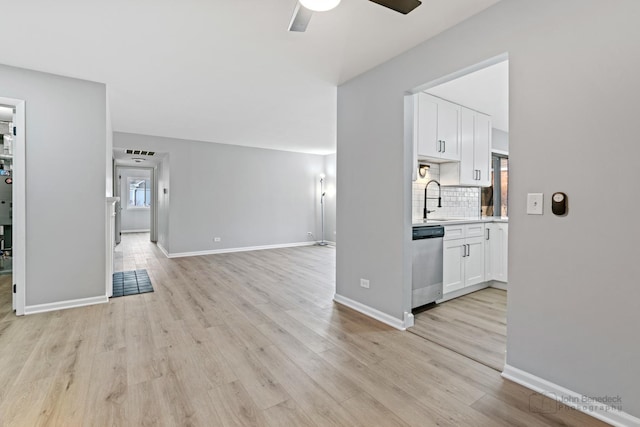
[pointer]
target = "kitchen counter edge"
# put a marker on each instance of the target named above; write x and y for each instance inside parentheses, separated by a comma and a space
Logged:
(460, 221)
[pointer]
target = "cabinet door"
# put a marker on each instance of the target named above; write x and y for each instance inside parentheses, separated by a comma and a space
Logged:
(482, 149)
(500, 252)
(474, 261)
(489, 232)
(448, 129)
(453, 267)
(426, 114)
(468, 174)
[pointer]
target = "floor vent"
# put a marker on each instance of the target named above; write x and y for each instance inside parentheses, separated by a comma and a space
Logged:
(131, 283)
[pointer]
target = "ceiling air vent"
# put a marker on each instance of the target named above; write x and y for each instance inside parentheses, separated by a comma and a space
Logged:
(140, 152)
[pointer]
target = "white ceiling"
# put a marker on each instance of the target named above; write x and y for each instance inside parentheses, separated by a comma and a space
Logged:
(220, 71)
(486, 90)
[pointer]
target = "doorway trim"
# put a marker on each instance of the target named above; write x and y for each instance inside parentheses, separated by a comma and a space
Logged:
(19, 195)
(153, 219)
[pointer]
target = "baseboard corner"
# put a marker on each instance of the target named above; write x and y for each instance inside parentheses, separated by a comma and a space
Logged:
(374, 313)
(609, 414)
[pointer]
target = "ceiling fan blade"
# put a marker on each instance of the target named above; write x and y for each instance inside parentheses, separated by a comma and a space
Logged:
(402, 6)
(300, 19)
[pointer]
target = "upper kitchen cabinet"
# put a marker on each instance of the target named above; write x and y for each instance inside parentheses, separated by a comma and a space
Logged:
(475, 152)
(436, 128)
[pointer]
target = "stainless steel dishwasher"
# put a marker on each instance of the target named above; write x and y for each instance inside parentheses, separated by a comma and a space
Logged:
(426, 282)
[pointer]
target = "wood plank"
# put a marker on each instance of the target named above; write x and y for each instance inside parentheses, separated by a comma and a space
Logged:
(251, 339)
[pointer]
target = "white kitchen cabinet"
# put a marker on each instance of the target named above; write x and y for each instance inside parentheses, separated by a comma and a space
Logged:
(463, 257)
(474, 261)
(473, 169)
(452, 265)
(496, 251)
(436, 128)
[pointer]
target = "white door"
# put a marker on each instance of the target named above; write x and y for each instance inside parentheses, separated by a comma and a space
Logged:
(467, 171)
(427, 116)
(448, 129)
(117, 192)
(18, 200)
(453, 266)
(482, 149)
(500, 252)
(474, 261)
(488, 251)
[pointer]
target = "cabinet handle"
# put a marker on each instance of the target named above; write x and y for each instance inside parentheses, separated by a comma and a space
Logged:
(464, 251)
(475, 174)
(439, 146)
(468, 250)
(479, 175)
(445, 146)
(488, 233)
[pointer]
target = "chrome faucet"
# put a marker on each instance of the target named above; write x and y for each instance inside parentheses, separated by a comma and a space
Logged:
(425, 211)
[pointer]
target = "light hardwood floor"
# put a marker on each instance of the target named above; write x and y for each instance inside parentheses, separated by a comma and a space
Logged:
(474, 325)
(244, 339)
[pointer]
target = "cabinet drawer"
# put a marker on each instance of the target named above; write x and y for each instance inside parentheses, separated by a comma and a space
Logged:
(463, 231)
(452, 232)
(474, 230)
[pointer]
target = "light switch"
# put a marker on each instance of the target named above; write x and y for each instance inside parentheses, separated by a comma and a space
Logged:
(534, 203)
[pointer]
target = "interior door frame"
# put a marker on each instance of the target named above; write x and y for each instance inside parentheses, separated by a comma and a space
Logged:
(153, 219)
(19, 201)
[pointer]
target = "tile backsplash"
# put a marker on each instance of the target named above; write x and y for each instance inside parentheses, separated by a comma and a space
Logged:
(457, 202)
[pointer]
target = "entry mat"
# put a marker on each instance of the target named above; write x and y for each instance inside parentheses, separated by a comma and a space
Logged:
(131, 283)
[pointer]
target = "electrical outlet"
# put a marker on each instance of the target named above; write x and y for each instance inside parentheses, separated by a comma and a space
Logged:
(364, 283)
(216, 239)
(309, 233)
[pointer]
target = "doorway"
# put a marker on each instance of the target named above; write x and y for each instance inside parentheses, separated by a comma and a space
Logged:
(470, 317)
(12, 204)
(136, 210)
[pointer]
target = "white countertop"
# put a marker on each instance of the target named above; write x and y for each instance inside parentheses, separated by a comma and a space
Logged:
(455, 221)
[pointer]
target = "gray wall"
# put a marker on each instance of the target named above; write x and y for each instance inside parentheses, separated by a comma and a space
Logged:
(330, 198)
(133, 218)
(572, 306)
(246, 196)
(65, 125)
(500, 140)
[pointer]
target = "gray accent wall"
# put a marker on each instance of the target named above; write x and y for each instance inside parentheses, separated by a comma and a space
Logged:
(246, 196)
(65, 184)
(573, 281)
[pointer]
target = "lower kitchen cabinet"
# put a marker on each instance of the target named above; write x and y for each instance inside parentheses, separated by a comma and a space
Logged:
(496, 251)
(463, 258)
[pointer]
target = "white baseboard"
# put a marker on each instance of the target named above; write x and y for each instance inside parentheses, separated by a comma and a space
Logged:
(498, 285)
(463, 291)
(589, 406)
(163, 250)
(134, 231)
(375, 314)
(244, 249)
(62, 305)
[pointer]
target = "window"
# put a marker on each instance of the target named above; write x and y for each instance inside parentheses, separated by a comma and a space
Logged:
(500, 180)
(139, 192)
